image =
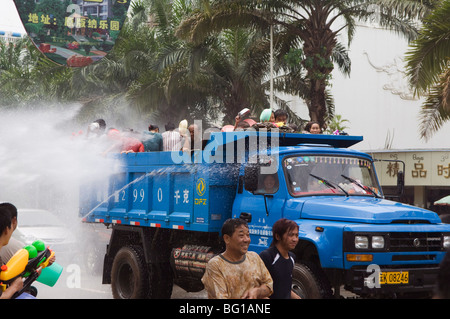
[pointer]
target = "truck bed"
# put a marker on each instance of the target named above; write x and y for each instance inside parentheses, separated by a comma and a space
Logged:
(190, 191)
(150, 189)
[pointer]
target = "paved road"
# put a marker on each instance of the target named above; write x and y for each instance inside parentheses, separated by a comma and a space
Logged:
(75, 284)
(72, 286)
(93, 289)
(69, 286)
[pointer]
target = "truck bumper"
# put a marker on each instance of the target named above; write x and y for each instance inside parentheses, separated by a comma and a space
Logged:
(421, 280)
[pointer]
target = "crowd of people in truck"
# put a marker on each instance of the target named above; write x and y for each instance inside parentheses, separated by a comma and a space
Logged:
(185, 137)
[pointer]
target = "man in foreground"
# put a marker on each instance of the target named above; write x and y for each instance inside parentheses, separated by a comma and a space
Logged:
(279, 259)
(237, 273)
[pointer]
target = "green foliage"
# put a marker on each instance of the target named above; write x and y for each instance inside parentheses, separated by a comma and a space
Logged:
(428, 68)
(305, 37)
(337, 123)
(294, 57)
(178, 59)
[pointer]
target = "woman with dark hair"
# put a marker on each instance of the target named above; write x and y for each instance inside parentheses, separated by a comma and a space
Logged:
(6, 229)
(313, 128)
(279, 259)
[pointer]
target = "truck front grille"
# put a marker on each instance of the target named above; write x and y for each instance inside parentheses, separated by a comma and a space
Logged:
(404, 241)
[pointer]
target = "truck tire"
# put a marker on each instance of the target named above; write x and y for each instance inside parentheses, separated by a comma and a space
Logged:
(309, 282)
(129, 274)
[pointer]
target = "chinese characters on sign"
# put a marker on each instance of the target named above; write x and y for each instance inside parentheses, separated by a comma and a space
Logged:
(43, 18)
(444, 171)
(392, 169)
(419, 171)
(72, 22)
(73, 33)
(78, 23)
(421, 168)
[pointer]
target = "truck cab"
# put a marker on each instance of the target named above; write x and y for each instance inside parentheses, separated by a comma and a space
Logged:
(349, 234)
(166, 210)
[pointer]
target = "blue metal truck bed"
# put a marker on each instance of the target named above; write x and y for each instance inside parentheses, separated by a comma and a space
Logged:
(182, 191)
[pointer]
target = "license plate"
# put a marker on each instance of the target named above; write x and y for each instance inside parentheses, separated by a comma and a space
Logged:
(394, 277)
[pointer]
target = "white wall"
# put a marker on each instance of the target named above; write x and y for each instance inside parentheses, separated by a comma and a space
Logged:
(373, 111)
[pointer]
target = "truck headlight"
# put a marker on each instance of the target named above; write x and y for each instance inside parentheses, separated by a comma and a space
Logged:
(446, 243)
(361, 242)
(377, 242)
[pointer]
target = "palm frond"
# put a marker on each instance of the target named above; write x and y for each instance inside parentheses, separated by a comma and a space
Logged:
(429, 55)
(341, 58)
(408, 9)
(436, 108)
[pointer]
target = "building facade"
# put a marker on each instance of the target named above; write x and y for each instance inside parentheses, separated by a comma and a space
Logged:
(93, 8)
(426, 175)
(9, 36)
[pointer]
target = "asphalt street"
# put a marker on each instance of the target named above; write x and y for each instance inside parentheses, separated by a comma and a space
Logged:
(79, 285)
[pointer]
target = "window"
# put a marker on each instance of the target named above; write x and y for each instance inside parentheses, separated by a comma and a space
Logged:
(267, 184)
(340, 175)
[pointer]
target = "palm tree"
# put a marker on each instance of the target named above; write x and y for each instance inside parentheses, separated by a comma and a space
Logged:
(310, 25)
(233, 63)
(166, 85)
(428, 65)
(139, 73)
(215, 77)
(26, 75)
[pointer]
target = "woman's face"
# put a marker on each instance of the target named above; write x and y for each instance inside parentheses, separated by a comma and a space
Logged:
(272, 117)
(315, 129)
(269, 183)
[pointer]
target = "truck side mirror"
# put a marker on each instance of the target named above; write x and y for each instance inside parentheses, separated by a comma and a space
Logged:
(400, 182)
(246, 216)
(251, 173)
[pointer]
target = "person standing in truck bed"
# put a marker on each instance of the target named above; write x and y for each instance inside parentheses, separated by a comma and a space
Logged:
(123, 144)
(152, 139)
(172, 140)
(237, 273)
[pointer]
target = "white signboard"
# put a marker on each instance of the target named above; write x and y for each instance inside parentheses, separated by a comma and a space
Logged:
(422, 168)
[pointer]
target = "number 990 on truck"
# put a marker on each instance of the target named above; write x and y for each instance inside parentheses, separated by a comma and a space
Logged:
(166, 210)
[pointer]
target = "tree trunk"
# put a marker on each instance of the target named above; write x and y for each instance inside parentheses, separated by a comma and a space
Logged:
(317, 106)
(318, 44)
(318, 51)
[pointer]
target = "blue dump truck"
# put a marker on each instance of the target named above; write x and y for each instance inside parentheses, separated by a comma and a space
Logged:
(166, 210)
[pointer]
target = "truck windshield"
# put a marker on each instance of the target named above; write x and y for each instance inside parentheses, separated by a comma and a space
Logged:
(325, 175)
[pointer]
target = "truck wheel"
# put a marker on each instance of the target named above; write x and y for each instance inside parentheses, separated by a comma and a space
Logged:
(309, 282)
(129, 274)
